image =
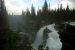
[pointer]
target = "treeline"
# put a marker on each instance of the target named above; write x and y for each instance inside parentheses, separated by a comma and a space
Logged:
(46, 16)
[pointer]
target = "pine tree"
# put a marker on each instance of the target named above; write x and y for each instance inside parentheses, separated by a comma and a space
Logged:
(33, 15)
(67, 8)
(3, 25)
(23, 14)
(68, 17)
(7, 37)
(60, 7)
(45, 12)
(27, 14)
(3, 14)
(45, 7)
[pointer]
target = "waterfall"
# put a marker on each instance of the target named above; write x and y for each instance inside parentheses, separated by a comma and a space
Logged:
(52, 42)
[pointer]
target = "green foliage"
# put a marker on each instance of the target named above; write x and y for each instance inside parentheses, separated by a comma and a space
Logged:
(47, 48)
(3, 25)
(12, 38)
(8, 38)
(28, 47)
(40, 47)
(3, 14)
(33, 15)
(45, 7)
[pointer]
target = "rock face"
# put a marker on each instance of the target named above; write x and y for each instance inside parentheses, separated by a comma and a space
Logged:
(68, 37)
(45, 35)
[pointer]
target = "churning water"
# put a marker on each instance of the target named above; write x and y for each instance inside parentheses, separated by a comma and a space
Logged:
(52, 42)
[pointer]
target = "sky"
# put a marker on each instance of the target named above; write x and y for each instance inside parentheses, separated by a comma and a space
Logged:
(17, 6)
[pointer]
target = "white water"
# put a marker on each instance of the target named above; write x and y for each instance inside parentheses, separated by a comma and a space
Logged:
(53, 41)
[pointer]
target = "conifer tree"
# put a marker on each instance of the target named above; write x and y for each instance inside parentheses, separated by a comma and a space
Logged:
(45, 11)
(33, 15)
(7, 37)
(3, 25)
(67, 7)
(45, 7)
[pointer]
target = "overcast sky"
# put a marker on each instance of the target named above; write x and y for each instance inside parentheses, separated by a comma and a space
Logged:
(16, 6)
